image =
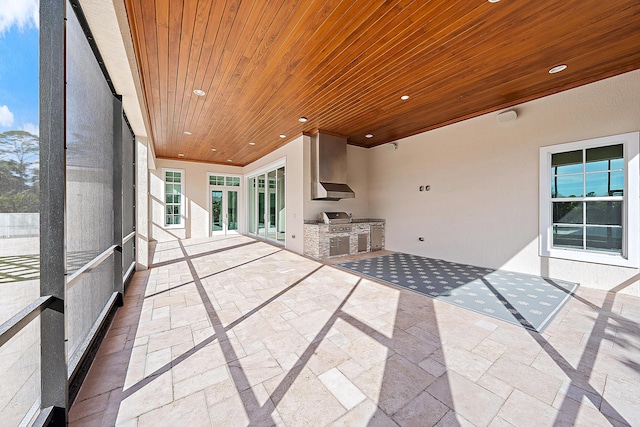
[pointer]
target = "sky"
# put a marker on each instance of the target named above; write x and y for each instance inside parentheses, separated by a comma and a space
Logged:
(19, 65)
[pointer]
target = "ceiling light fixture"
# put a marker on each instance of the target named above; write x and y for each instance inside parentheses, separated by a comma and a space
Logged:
(404, 97)
(368, 135)
(494, 1)
(199, 92)
(186, 132)
(230, 161)
(282, 135)
(507, 116)
(213, 149)
(557, 69)
(252, 143)
(303, 119)
(180, 155)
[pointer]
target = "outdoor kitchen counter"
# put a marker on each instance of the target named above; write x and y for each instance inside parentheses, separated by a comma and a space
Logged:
(353, 221)
(324, 241)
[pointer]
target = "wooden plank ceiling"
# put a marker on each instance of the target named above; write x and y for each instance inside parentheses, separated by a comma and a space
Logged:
(345, 64)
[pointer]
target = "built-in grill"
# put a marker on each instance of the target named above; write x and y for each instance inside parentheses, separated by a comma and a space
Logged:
(335, 218)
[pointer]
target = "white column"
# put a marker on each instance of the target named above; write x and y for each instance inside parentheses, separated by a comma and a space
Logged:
(142, 204)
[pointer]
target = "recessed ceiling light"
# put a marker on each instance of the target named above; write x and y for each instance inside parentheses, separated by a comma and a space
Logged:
(230, 161)
(557, 69)
(404, 97)
(213, 149)
(252, 143)
(303, 119)
(494, 1)
(368, 135)
(180, 155)
(282, 135)
(186, 132)
(199, 92)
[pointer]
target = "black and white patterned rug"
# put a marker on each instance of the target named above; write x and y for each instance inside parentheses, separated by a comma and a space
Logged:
(520, 299)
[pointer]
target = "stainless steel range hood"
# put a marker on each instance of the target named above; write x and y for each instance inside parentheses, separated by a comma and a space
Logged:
(329, 168)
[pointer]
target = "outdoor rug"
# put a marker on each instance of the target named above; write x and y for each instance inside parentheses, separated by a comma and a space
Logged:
(520, 299)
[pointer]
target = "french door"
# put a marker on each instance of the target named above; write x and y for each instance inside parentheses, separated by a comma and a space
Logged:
(224, 211)
(266, 207)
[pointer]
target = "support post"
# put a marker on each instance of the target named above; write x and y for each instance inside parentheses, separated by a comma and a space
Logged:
(54, 387)
(118, 285)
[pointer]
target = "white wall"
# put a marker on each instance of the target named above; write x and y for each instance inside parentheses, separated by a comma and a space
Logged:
(357, 179)
(483, 205)
(299, 205)
(294, 172)
(196, 198)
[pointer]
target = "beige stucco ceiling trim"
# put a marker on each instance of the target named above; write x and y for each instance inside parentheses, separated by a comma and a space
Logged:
(110, 28)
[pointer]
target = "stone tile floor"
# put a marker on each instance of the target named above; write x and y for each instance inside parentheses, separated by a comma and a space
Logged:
(231, 332)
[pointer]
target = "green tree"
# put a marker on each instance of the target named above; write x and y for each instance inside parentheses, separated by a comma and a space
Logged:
(19, 155)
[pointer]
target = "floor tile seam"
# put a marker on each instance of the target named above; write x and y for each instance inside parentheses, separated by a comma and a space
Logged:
(82, 421)
(436, 399)
(212, 314)
(76, 402)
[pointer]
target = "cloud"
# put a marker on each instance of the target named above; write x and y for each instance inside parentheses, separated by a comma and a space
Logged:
(6, 116)
(21, 13)
(31, 128)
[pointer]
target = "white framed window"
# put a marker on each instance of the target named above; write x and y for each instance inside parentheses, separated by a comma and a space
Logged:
(173, 197)
(224, 180)
(589, 208)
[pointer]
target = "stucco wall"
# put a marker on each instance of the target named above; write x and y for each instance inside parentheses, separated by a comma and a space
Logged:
(299, 206)
(195, 190)
(357, 175)
(292, 156)
(483, 208)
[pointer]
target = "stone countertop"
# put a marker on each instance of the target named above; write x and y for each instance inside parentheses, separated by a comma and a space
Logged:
(353, 221)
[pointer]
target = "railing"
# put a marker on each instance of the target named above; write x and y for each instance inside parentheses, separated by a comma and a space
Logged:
(20, 320)
(14, 325)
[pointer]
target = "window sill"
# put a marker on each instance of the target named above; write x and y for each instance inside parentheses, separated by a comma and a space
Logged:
(591, 257)
(174, 227)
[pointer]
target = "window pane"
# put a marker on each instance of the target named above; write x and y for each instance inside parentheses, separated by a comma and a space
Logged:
(168, 198)
(176, 198)
(232, 210)
(604, 213)
(169, 210)
(608, 239)
(603, 184)
(605, 158)
(169, 220)
(252, 205)
(177, 177)
(567, 212)
(567, 237)
(168, 177)
(567, 186)
(569, 162)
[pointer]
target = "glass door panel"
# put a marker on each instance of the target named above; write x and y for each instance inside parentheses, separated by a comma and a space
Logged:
(261, 207)
(271, 227)
(252, 205)
(216, 212)
(232, 211)
(282, 217)
(266, 205)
